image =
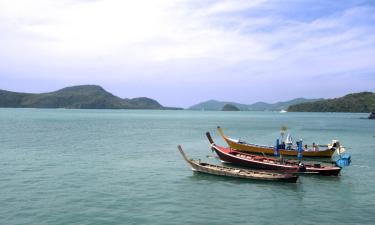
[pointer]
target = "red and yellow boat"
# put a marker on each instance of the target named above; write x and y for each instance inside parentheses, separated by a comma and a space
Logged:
(260, 149)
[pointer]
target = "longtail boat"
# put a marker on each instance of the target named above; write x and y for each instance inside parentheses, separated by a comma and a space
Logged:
(260, 149)
(268, 163)
(202, 167)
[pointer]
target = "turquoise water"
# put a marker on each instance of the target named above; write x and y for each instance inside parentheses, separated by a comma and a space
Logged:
(122, 167)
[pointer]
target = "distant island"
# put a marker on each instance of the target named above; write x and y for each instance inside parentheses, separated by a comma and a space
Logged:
(76, 97)
(95, 97)
(357, 102)
(229, 107)
(214, 105)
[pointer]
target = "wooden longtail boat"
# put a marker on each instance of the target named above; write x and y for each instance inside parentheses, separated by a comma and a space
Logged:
(259, 149)
(202, 167)
(267, 163)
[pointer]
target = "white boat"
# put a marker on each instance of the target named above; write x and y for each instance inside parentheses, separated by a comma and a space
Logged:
(283, 111)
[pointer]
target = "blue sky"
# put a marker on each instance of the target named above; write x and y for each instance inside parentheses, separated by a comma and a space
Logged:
(183, 52)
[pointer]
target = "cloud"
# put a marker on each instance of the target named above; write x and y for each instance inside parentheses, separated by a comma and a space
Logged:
(160, 43)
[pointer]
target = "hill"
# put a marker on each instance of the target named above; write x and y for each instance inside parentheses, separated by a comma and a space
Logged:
(356, 102)
(75, 97)
(213, 105)
(229, 107)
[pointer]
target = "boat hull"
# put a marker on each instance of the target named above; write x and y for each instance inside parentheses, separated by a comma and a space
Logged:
(228, 157)
(237, 172)
(253, 161)
(335, 171)
(252, 148)
(200, 169)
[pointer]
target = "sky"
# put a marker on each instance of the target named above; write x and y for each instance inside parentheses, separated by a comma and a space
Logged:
(182, 52)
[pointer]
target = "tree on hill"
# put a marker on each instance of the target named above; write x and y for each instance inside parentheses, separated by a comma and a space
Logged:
(229, 107)
(357, 102)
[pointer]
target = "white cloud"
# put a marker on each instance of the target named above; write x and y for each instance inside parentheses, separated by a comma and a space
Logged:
(228, 6)
(251, 42)
(160, 30)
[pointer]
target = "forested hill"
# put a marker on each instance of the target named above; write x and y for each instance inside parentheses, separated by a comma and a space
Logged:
(75, 97)
(356, 102)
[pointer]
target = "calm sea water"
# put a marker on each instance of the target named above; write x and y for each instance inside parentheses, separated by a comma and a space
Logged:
(122, 167)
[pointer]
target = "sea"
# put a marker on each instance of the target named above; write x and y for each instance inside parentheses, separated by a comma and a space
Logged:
(72, 166)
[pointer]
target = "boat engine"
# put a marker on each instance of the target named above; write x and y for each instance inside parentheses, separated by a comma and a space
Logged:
(301, 168)
(344, 160)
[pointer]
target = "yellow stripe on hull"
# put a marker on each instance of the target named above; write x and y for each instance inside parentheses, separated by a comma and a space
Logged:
(270, 151)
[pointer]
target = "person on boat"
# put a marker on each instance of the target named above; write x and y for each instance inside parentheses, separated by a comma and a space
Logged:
(305, 148)
(297, 144)
(315, 147)
(282, 146)
(289, 142)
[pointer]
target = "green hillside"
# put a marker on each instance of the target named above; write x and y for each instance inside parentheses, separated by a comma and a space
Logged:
(76, 97)
(229, 107)
(357, 102)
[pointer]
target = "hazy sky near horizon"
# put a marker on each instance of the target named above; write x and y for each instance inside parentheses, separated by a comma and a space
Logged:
(181, 52)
